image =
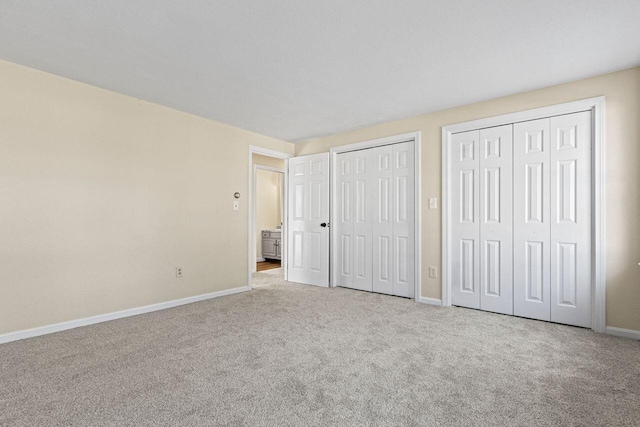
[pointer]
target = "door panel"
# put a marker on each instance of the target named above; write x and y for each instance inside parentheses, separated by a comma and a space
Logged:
(383, 220)
(496, 225)
(344, 224)
(354, 226)
(570, 141)
(403, 202)
(531, 220)
(465, 222)
(363, 220)
(308, 257)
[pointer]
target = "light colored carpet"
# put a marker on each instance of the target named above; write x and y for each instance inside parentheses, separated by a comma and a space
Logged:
(286, 354)
(267, 277)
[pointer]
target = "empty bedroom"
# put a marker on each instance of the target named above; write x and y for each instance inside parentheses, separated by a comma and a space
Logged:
(319, 213)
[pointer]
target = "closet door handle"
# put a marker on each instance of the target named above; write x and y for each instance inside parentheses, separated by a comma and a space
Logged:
(324, 224)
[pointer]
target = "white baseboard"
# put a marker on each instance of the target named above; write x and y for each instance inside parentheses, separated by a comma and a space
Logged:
(261, 259)
(63, 326)
(621, 332)
(432, 301)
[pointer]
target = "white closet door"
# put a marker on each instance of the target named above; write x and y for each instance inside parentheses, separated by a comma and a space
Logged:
(465, 222)
(403, 202)
(383, 271)
(496, 233)
(571, 219)
(362, 220)
(344, 225)
(531, 220)
(308, 239)
(355, 220)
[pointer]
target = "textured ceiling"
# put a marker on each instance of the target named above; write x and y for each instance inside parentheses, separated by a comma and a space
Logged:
(295, 69)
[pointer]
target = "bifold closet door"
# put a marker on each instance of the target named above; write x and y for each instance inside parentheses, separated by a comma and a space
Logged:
(531, 220)
(571, 288)
(344, 224)
(521, 219)
(375, 231)
(394, 220)
(383, 220)
(355, 225)
(496, 227)
(465, 219)
(552, 219)
(481, 257)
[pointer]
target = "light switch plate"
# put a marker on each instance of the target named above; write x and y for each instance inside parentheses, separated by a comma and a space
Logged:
(236, 205)
(433, 203)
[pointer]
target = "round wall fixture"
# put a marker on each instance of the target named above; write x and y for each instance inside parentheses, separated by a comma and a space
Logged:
(236, 195)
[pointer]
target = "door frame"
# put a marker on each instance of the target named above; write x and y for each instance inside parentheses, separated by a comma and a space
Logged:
(389, 140)
(251, 211)
(597, 107)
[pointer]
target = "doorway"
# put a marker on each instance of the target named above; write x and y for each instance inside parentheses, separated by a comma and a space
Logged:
(267, 240)
(268, 197)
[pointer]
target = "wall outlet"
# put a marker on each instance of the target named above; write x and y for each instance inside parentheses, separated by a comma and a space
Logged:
(433, 203)
(433, 272)
(178, 272)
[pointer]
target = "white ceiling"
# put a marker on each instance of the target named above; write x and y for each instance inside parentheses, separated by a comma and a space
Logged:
(295, 69)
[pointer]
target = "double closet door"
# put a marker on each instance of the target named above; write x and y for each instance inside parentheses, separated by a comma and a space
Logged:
(521, 221)
(375, 247)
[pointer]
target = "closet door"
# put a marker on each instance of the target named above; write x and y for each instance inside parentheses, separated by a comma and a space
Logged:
(344, 225)
(571, 219)
(403, 202)
(465, 223)
(496, 205)
(383, 242)
(376, 220)
(531, 220)
(362, 219)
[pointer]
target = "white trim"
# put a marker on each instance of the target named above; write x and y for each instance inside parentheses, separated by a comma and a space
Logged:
(599, 315)
(261, 259)
(253, 149)
(63, 326)
(526, 115)
(431, 301)
(394, 139)
(250, 215)
(597, 107)
(625, 333)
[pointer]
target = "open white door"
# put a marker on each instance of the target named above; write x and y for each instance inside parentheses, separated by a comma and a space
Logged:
(308, 213)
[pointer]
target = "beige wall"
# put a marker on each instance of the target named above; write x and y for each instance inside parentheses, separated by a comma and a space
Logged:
(103, 195)
(273, 162)
(622, 91)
